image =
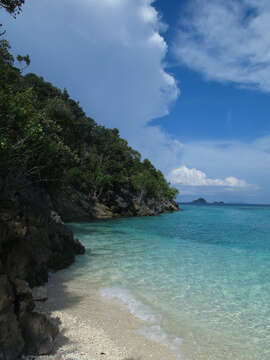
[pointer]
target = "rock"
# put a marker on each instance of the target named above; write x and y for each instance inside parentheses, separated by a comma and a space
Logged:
(11, 341)
(39, 333)
(33, 240)
(56, 217)
(101, 211)
(78, 247)
(73, 206)
(24, 298)
(1, 267)
(7, 295)
(21, 329)
(40, 293)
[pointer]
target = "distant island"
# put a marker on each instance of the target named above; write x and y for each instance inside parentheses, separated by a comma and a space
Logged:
(202, 201)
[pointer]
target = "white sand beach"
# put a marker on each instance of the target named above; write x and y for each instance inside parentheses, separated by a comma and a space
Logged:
(94, 328)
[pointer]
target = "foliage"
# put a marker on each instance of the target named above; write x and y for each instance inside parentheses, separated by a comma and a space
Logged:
(47, 137)
(13, 7)
(5, 56)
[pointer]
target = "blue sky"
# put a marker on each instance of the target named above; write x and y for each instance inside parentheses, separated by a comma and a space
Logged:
(186, 82)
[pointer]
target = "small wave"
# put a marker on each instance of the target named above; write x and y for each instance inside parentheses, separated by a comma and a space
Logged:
(152, 330)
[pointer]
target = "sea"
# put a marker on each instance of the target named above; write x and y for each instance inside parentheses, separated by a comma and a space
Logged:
(199, 278)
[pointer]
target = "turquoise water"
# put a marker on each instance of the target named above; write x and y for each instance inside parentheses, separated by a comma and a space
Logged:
(200, 277)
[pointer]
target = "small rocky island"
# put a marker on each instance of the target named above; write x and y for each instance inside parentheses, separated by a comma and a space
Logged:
(202, 201)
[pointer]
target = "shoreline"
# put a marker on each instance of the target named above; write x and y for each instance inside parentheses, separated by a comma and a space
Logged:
(93, 327)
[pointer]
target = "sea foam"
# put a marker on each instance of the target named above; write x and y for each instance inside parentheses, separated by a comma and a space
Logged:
(152, 328)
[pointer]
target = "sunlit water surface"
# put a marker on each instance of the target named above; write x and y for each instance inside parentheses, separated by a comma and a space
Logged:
(200, 277)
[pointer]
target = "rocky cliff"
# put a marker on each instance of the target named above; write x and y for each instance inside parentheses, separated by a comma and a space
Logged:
(74, 205)
(33, 241)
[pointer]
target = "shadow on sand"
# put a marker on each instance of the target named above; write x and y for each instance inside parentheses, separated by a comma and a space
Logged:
(59, 299)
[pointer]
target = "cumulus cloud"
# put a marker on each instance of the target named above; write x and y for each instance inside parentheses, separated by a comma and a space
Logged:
(194, 177)
(110, 56)
(227, 41)
(248, 161)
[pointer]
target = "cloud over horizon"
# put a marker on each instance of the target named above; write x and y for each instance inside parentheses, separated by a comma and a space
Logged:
(194, 177)
(227, 41)
(221, 159)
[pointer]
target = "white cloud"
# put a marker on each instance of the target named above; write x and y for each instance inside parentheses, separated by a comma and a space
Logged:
(110, 56)
(194, 177)
(248, 161)
(227, 41)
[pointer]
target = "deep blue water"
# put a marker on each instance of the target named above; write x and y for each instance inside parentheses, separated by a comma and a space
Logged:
(200, 277)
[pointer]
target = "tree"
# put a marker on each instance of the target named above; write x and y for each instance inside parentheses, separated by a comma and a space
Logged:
(5, 56)
(25, 59)
(13, 7)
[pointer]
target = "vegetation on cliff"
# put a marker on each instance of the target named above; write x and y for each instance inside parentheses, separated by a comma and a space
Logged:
(47, 138)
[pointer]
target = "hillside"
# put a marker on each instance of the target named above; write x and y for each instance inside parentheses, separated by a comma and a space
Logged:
(47, 138)
(56, 165)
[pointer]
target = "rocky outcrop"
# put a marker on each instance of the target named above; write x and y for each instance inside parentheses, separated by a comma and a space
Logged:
(77, 206)
(33, 241)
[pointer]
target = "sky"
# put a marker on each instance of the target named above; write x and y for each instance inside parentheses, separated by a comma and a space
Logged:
(187, 82)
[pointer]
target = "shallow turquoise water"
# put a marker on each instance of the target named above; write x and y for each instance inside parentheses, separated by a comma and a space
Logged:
(200, 277)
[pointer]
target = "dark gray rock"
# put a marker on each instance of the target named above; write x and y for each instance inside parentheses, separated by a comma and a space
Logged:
(39, 332)
(24, 299)
(1, 268)
(11, 341)
(40, 293)
(33, 241)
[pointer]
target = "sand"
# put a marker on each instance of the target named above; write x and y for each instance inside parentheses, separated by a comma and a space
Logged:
(93, 327)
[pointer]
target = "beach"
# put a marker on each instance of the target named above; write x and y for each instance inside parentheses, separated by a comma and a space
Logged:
(178, 286)
(93, 327)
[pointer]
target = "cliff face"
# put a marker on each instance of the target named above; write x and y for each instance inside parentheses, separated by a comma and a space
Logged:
(33, 241)
(77, 206)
